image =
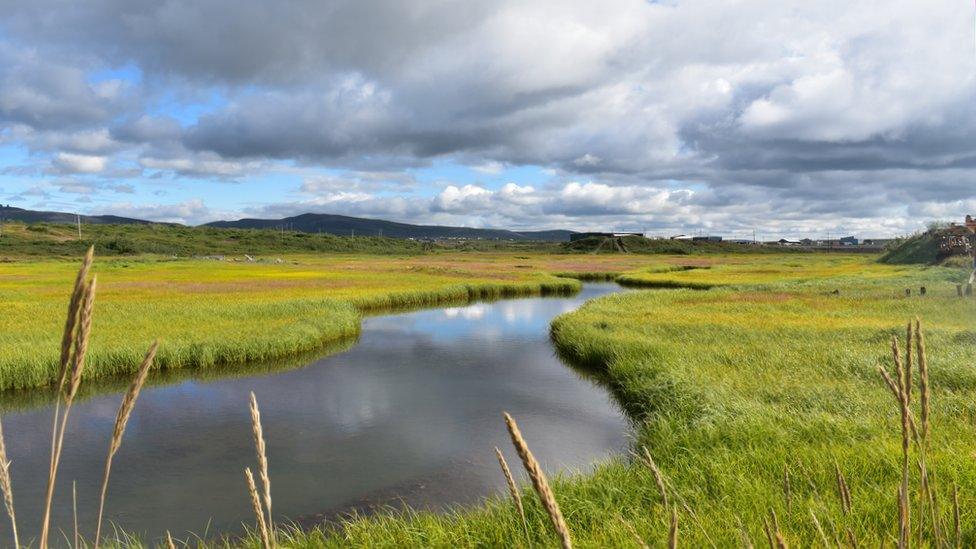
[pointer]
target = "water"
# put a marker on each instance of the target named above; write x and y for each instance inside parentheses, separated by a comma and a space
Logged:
(411, 414)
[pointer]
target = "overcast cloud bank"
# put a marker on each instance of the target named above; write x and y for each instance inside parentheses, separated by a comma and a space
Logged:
(785, 117)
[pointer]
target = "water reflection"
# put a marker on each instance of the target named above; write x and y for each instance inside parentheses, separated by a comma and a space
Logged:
(411, 412)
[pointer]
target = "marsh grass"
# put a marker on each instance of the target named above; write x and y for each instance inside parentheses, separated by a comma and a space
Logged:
(223, 314)
(763, 407)
(74, 347)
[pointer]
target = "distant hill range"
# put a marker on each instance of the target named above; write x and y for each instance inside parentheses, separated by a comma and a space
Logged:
(310, 223)
(9, 213)
(344, 226)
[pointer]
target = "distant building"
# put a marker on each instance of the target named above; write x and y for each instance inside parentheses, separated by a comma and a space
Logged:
(707, 239)
(785, 242)
(848, 241)
(971, 223)
(681, 237)
(580, 236)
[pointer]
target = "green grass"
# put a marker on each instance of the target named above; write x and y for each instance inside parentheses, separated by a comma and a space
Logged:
(771, 369)
(922, 248)
(213, 313)
(44, 240)
(728, 388)
(641, 245)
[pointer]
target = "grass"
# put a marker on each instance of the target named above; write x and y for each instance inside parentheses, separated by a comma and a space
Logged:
(43, 240)
(766, 377)
(210, 313)
(759, 400)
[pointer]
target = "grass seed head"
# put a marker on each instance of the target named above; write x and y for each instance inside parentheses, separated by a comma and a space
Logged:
(7, 488)
(262, 456)
(512, 487)
(74, 305)
(539, 482)
(258, 511)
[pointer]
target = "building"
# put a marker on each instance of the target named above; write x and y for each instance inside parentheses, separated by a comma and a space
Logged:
(848, 241)
(707, 239)
(971, 223)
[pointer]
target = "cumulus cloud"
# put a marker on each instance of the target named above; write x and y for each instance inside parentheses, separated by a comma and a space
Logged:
(79, 163)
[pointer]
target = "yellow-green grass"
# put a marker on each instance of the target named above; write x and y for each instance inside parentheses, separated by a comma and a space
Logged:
(768, 371)
(733, 386)
(209, 313)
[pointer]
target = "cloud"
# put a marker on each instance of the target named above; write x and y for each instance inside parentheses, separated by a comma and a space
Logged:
(44, 93)
(79, 163)
(190, 212)
(788, 115)
(204, 164)
(490, 167)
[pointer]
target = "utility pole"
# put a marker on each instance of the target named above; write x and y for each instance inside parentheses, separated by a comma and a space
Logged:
(78, 219)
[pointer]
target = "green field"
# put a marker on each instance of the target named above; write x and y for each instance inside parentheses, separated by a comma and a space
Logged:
(210, 313)
(768, 374)
(737, 370)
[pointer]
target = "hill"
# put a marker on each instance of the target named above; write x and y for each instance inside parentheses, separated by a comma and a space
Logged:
(346, 226)
(10, 213)
(20, 239)
(924, 248)
(917, 248)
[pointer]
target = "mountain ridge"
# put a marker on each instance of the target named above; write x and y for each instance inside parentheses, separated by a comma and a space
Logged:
(346, 225)
(340, 225)
(12, 213)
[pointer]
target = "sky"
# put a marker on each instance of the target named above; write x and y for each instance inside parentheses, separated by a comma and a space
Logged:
(787, 118)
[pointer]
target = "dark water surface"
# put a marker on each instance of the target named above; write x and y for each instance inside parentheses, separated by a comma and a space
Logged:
(412, 412)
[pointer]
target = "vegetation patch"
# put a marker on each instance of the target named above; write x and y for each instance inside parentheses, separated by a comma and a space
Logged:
(758, 407)
(211, 313)
(759, 401)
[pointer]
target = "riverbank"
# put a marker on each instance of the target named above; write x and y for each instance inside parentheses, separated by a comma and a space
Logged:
(747, 395)
(751, 398)
(211, 313)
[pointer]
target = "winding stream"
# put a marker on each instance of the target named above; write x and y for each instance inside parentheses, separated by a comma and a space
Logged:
(411, 413)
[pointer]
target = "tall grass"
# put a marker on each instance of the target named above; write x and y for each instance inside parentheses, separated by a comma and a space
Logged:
(760, 402)
(121, 420)
(213, 314)
(74, 346)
